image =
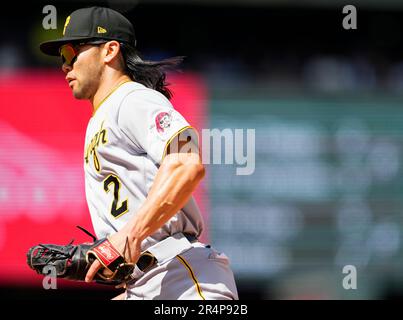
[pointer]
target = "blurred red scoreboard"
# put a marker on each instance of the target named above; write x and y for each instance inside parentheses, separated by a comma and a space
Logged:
(42, 130)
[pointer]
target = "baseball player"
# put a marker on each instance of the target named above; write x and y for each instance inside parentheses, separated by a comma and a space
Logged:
(141, 162)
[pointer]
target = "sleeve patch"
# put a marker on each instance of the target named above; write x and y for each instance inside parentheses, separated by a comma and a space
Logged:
(163, 122)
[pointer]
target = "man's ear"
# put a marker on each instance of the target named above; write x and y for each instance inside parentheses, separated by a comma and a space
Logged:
(112, 49)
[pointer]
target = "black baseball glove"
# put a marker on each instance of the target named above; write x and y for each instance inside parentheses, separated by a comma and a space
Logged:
(73, 261)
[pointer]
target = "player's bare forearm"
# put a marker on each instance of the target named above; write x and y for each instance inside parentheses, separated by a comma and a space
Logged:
(177, 178)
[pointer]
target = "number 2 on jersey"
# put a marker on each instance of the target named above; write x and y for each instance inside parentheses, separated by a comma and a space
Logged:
(116, 210)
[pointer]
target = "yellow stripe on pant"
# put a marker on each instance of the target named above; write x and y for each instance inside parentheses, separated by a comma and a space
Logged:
(192, 275)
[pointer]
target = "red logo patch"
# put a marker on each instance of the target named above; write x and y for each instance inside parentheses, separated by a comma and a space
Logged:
(106, 253)
(162, 121)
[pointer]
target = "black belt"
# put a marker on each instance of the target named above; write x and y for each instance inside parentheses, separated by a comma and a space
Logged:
(147, 259)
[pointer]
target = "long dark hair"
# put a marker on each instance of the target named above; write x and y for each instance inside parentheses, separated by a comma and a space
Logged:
(151, 74)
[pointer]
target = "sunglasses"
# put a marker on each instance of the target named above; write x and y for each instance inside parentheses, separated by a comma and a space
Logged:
(69, 52)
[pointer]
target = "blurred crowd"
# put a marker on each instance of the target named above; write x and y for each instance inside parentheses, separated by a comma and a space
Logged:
(268, 48)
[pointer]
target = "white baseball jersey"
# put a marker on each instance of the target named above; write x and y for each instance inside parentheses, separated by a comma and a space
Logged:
(125, 143)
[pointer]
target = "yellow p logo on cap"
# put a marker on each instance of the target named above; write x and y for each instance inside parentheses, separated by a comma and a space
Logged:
(66, 24)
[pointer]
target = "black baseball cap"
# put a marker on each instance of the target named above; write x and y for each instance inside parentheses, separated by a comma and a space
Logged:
(92, 24)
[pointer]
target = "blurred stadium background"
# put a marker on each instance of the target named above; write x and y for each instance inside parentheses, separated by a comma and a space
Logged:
(326, 104)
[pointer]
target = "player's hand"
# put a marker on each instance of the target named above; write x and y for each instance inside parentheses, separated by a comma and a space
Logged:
(129, 249)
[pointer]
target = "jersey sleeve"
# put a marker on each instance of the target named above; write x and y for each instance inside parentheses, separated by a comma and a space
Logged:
(149, 120)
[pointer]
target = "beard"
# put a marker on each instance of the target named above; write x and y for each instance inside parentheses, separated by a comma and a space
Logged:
(87, 85)
(83, 90)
